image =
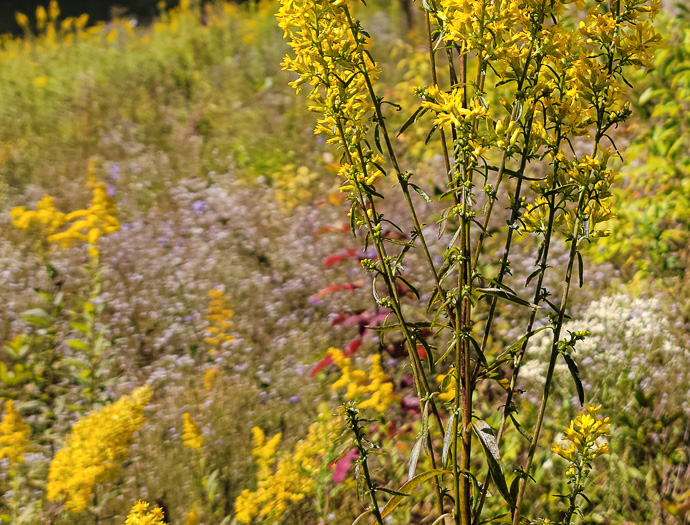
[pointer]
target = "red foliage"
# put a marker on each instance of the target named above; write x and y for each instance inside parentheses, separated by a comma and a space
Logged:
(332, 288)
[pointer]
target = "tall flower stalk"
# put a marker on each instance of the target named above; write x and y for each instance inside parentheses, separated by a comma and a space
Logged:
(533, 93)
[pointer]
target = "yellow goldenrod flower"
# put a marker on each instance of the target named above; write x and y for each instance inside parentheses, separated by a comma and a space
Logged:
(95, 450)
(219, 314)
(293, 478)
(53, 9)
(334, 63)
(22, 20)
(192, 518)
(86, 225)
(583, 437)
(140, 515)
(14, 435)
(41, 17)
(191, 436)
(264, 451)
(210, 377)
(374, 390)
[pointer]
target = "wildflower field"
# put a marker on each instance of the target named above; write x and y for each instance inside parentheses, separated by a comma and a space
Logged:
(313, 262)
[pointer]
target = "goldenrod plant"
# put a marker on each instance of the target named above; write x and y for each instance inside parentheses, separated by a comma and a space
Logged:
(94, 451)
(544, 150)
(295, 477)
(583, 444)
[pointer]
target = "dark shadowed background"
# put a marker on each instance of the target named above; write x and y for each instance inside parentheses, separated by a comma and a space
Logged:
(97, 9)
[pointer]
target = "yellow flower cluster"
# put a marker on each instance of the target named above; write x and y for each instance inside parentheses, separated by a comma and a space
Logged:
(330, 57)
(449, 108)
(87, 225)
(264, 450)
(210, 377)
(572, 73)
(294, 185)
(50, 28)
(95, 449)
(45, 219)
(294, 478)
(192, 518)
(375, 389)
(219, 314)
(140, 515)
(191, 433)
(583, 441)
(14, 435)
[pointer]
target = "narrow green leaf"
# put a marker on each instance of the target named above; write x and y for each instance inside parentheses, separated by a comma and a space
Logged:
(392, 492)
(361, 517)
(414, 458)
(480, 354)
(431, 133)
(520, 428)
(448, 439)
(377, 138)
(575, 372)
(425, 424)
(502, 294)
(408, 487)
(396, 327)
(409, 286)
(78, 345)
(415, 116)
(421, 192)
(580, 268)
(488, 440)
(514, 487)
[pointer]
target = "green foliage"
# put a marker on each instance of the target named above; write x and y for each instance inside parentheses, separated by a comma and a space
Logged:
(653, 204)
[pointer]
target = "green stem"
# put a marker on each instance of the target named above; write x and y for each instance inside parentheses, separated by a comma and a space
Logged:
(421, 383)
(552, 359)
(364, 454)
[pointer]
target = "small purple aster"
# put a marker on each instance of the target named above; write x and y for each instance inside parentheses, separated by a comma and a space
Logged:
(198, 207)
(114, 171)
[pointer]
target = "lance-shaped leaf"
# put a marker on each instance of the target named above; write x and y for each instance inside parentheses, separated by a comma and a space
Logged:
(415, 456)
(361, 517)
(418, 113)
(504, 294)
(441, 518)
(408, 487)
(396, 327)
(448, 439)
(575, 372)
(520, 428)
(486, 437)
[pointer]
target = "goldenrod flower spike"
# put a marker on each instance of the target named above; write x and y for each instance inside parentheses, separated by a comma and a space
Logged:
(264, 451)
(95, 450)
(374, 390)
(219, 316)
(191, 436)
(14, 435)
(292, 479)
(79, 226)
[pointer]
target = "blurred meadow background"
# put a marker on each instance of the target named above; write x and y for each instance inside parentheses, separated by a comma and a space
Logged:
(159, 357)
